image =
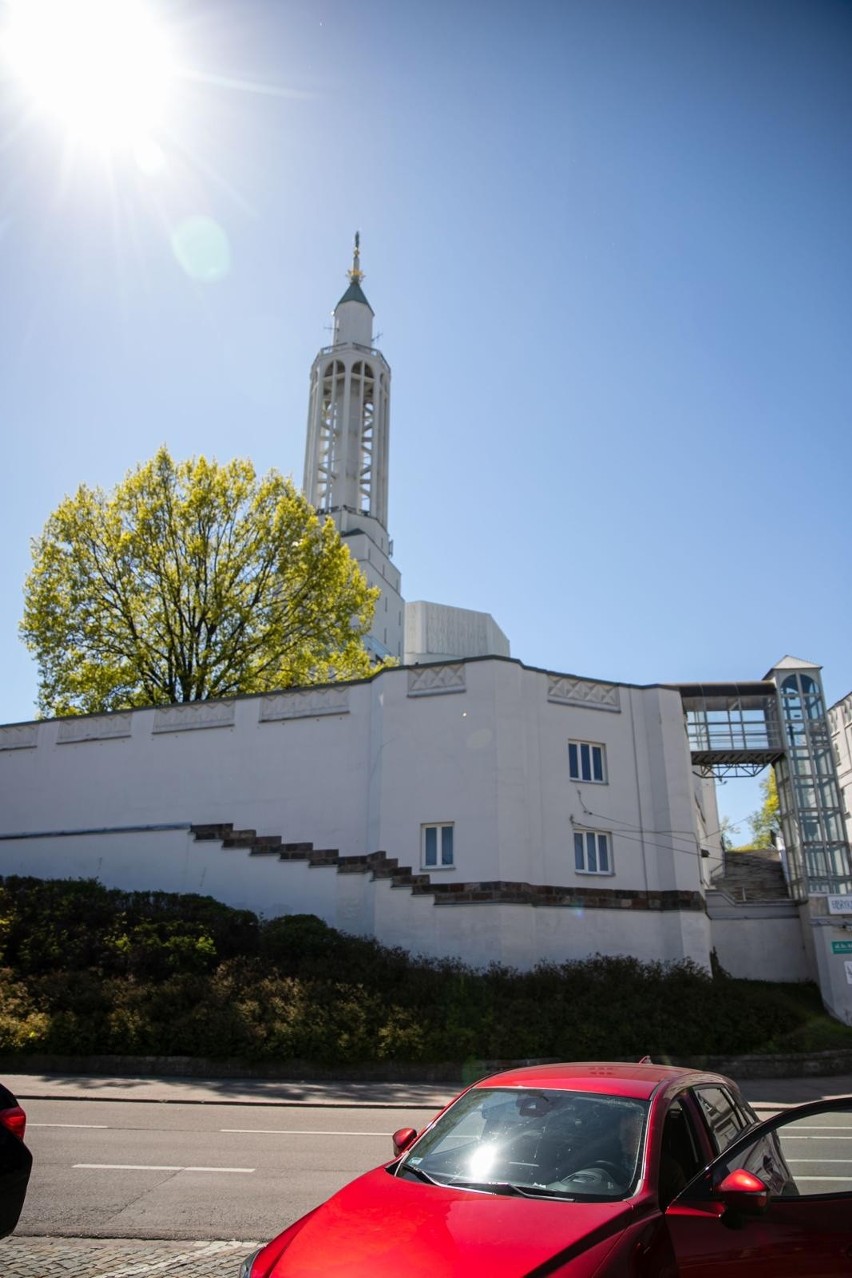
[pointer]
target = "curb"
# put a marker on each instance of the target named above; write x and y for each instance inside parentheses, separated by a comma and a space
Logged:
(455, 1074)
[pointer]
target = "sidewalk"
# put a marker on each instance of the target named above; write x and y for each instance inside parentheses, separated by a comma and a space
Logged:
(22, 1257)
(768, 1093)
(227, 1091)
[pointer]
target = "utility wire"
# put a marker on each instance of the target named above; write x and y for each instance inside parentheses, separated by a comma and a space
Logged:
(636, 834)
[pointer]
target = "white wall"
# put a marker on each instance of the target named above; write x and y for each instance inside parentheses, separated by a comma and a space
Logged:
(439, 632)
(359, 768)
(840, 726)
(830, 938)
(761, 941)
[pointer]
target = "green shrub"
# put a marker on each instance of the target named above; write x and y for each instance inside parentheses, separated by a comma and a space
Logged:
(95, 971)
(22, 1025)
(75, 924)
(55, 924)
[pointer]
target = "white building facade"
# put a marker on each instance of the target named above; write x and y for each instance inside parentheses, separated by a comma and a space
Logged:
(840, 726)
(438, 632)
(479, 809)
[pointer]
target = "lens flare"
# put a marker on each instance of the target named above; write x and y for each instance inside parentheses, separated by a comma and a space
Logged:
(104, 68)
(202, 248)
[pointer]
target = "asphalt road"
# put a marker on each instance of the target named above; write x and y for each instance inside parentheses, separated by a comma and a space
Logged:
(147, 1170)
(225, 1215)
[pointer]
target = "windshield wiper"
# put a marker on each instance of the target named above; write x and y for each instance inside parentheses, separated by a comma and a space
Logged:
(422, 1175)
(504, 1187)
(485, 1186)
(534, 1191)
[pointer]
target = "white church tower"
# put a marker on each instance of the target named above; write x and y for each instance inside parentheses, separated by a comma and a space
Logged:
(346, 458)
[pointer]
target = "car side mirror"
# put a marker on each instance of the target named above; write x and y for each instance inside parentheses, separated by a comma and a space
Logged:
(402, 1138)
(743, 1193)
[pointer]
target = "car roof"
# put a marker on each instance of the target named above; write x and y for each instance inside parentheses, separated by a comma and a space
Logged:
(613, 1078)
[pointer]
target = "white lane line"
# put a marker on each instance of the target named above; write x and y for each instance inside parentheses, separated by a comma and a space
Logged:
(278, 1131)
(833, 1180)
(87, 1126)
(824, 1127)
(152, 1167)
(789, 1136)
(797, 1162)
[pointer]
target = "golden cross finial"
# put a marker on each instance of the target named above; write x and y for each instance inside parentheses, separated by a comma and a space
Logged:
(356, 274)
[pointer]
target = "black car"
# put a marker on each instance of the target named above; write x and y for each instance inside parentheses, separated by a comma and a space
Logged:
(15, 1161)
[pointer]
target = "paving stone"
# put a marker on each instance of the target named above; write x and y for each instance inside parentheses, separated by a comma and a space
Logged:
(119, 1258)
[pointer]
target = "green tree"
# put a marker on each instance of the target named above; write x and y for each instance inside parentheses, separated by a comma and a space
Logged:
(190, 580)
(768, 817)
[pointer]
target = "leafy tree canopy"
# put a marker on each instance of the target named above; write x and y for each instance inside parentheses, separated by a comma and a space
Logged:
(190, 580)
(768, 817)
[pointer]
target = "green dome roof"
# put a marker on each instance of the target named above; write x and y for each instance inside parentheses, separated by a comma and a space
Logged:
(355, 293)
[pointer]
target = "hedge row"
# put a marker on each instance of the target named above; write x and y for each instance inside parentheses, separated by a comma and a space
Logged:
(88, 970)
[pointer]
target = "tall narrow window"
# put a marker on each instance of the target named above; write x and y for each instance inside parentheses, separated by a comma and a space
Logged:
(586, 761)
(437, 851)
(592, 852)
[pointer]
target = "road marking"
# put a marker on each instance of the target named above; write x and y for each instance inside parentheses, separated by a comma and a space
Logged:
(790, 1136)
(99, 1126)
(278, 1131)
(152, 1167)
(833, 1180)
(824, 1127)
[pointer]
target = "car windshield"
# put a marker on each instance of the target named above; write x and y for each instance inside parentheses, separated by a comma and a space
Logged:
(548, 1143)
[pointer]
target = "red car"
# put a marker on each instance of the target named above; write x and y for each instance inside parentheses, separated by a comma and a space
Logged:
(604, 1170)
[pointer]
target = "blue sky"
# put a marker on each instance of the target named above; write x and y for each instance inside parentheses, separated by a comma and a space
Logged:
(608, 247)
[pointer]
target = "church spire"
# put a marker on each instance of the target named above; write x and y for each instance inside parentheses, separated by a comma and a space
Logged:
(356, 274)
(355, 293)
(346, 458)
(346, 452)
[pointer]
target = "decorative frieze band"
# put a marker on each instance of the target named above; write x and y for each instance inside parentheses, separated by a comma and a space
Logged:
(583, 692)
(572, 898)
(306, 703)
(424, 681)
(197, 714)
(19, 736)
(102, 727)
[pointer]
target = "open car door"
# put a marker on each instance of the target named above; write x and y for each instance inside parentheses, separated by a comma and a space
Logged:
(778, 1201)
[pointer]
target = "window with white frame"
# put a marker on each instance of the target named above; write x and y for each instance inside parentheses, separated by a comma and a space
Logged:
(436, 846)
(586, 761)
(592, 852)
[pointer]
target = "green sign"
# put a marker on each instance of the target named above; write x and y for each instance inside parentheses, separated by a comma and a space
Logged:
(841, 947)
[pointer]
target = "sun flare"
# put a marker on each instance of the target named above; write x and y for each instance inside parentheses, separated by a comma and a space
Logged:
(104, 68)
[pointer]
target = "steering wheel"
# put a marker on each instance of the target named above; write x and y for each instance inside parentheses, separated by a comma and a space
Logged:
(598, 1178)
(612, 1169)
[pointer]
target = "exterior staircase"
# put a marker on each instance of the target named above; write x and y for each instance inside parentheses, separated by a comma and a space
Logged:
(752, 876)
(377, 864)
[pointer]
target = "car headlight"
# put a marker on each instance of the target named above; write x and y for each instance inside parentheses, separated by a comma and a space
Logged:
(248, 1264)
